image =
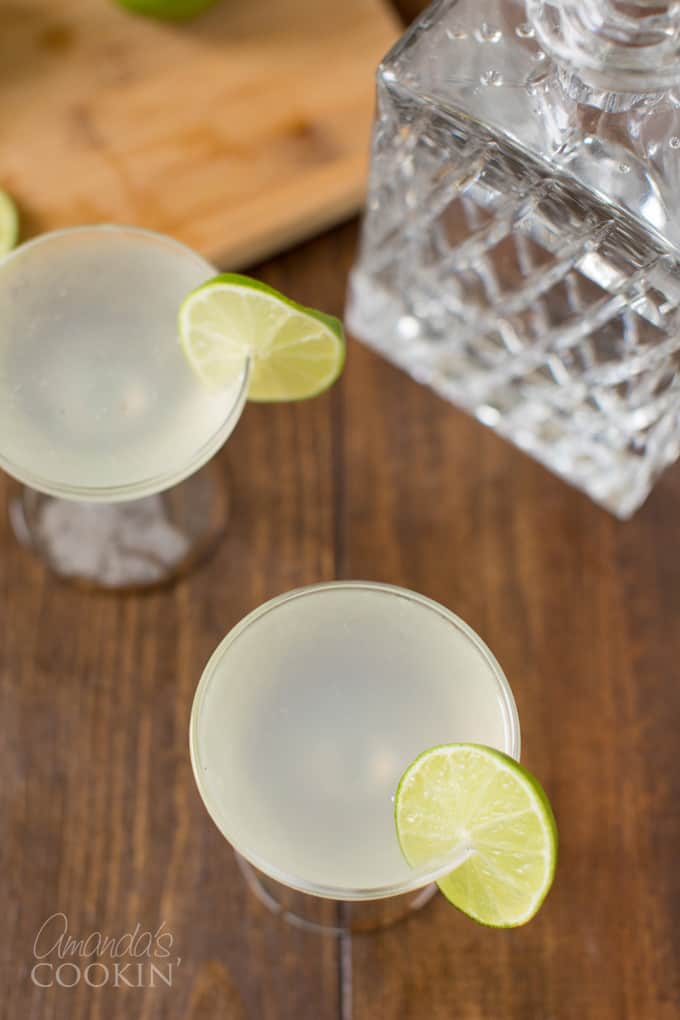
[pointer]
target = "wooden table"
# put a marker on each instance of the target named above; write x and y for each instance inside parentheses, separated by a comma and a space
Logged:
(377, 479)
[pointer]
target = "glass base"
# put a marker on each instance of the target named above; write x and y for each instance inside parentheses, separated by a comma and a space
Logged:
(141, 543)
(332, 917)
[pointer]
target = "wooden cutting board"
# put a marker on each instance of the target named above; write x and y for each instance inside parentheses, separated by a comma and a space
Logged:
(239, 132)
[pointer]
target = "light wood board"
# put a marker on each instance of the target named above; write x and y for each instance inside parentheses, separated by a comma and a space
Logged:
(239, 133)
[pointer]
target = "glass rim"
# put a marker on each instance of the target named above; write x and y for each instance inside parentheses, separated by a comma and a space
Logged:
(418, 877)
(164, 479)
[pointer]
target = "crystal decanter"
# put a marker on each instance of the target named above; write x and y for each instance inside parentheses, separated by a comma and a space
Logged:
(521, 245)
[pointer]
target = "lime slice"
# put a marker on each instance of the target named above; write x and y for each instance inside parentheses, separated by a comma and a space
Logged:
(477, 802)
(9, 223)
(167, 9)
(295, 352)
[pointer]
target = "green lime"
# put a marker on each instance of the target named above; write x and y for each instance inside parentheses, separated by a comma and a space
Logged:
(9, 223)
(167, 9)
(294, 352)
(479, 802)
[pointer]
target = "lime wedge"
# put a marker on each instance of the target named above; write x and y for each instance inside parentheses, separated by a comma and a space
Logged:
(473, 801)
(294, 352)
(9, 223)
(167, 9)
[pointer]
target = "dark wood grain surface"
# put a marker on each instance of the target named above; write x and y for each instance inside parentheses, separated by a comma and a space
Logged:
(378, 479)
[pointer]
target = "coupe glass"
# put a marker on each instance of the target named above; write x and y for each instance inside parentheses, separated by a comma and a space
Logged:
(101, 417)
(303, 722)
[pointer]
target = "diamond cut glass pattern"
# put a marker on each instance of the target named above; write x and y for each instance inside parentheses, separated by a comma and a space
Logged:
(492, 269)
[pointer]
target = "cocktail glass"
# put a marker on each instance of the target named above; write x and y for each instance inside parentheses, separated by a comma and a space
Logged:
(306, 716)
(101, 416)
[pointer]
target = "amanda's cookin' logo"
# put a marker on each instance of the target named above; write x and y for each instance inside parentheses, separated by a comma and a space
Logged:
(136, 959)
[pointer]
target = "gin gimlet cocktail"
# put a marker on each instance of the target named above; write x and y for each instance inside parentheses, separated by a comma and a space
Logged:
(125, 363)
(100, 414)
(96, 399)
(310, 710)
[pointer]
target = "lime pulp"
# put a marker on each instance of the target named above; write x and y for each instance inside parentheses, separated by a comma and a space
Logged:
(478, 805)
(9, 223)
(294, 352)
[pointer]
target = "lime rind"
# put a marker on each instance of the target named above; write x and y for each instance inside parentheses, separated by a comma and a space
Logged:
(167, 10)
(477, 802)
(294, 352)
(9, 223)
